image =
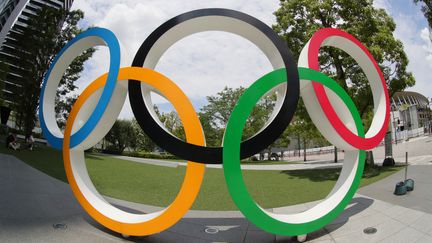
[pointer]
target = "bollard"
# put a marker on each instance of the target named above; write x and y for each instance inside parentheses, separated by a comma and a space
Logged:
(400, 189)
(406, 165)
(409, 183)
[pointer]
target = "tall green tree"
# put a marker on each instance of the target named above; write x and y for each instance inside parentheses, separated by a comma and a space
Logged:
(172, 122)
(65, 97)
(220, 106)
(4, 69)
(121, 136)
(212, 133)
(302, 128)
(297, 20)
(141, 141)
(37, 46)
(426, 7)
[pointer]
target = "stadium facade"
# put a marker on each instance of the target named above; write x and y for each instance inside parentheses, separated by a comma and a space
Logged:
(410, 115)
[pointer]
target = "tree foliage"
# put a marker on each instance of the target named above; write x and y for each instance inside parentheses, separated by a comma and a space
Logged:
(426, 7)
(121, 136)
(172, 122)
(37, 46)
(297, 20)
(140, 141)
(65, 97)
(4, 69)
(215, 115)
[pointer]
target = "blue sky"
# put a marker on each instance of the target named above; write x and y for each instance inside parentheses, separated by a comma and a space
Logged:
(224, 59)
(412, 30)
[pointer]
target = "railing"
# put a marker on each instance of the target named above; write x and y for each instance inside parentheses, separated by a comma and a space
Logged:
(407, 134)
(401, 136)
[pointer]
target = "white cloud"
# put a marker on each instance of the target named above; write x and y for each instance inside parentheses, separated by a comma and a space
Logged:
(201, 64)
(418, 47)
(427, 46)
(384, 4)
(412, 30)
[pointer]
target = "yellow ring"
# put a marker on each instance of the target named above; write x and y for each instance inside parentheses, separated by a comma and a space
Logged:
(194, 171)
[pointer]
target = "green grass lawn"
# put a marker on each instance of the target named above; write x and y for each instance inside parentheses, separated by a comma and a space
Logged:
(156, 185)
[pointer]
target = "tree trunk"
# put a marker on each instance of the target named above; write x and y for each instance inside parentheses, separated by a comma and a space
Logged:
(340, 73)
(388, 145)
(304, 149)
(370, 159)
(299, 147)
(335, 154)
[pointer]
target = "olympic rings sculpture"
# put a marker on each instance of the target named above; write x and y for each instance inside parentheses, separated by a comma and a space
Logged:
(329, 106)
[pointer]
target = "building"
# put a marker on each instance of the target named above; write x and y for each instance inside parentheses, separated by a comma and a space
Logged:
(14, 15)
(410, 115)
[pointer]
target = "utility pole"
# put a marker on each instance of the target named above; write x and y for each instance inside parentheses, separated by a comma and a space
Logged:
(335, 154)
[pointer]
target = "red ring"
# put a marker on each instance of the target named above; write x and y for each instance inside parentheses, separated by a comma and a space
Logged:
(360, 143)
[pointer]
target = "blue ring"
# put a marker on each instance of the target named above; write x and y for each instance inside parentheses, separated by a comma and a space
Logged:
(114, 49)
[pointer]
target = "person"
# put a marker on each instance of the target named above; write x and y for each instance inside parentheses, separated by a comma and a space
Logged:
(11, 142)
(30, 141)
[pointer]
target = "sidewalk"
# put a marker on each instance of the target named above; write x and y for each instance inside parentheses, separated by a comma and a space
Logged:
(419, 199)
(32, 202)
(419, 155)
(286, 166)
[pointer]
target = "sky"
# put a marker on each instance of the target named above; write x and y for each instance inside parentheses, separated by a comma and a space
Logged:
(203, 64)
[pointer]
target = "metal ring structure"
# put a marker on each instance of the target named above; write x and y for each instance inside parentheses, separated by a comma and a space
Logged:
(88, 39)
(325, 211)
(326, 109)
(85, 192)
(230, 21)
(98, 107)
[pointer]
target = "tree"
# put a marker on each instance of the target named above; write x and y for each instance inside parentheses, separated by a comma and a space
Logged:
(427, 10)
(304, 130)
(141, 141)
(212, 133)
(173, 123)
(4, 69)
(297, 20)
(121, 136)
(215, 115)
(65, 98)
(282, 142)
(37, 46)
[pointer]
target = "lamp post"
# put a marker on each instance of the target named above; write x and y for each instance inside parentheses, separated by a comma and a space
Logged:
(394, 127)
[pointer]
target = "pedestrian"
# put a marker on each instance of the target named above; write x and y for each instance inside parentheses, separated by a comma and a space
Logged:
(30, 141)
(11, 142)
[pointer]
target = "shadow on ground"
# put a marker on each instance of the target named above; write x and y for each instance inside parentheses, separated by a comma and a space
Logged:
(314, 175)
(230, 229)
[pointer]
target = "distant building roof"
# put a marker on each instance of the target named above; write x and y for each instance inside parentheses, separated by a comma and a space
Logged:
(409, 98)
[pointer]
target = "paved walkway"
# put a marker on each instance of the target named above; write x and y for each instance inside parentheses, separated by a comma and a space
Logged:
(32, 202)
(287, 166)
(419, 199)
(419, 155)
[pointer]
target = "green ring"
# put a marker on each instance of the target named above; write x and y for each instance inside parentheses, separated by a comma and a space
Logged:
(231, 154)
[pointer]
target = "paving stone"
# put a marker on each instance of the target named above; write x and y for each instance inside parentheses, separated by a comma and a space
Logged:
(423, 224)
(407, 234)
(259, 236)
(425, 239)
(37, 201)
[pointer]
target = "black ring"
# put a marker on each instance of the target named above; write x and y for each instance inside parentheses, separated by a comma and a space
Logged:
(213, 155)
